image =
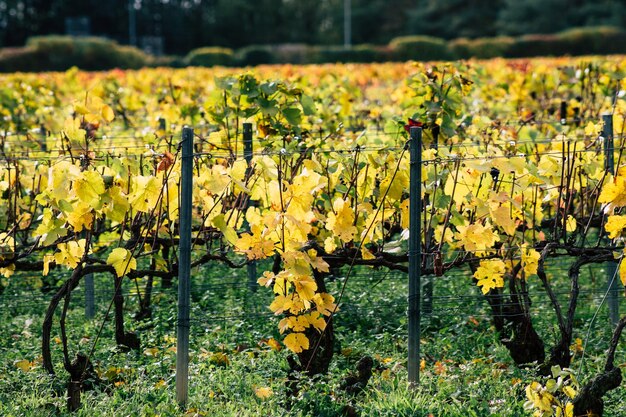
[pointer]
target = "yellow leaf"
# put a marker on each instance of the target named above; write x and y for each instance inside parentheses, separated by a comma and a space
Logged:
(317, 262)
(151, 351)
(280, 304)
(341, 220)
(329, 244)
(7, 244)
(229, 233)
(295, 323)
(122, 260)
(530, 260)
(267, 279)
(569, 391)
(394, 187)
(107, 113)
(80, 109)
(614, 192)
(81, 217)
(325, 303)
(615, 225)
(296, 342)
(145, 193)
(115, 204)
(214, 180)
(502, 217)
(25, 365)
(219, 358)
(8, 271)
(317, 321)
(306, 287)
(489, 274)
(366, 254)
(50, 229)
(477, 238)
(89, 186)
(570, 223)
(591, 129)
(70, 253)
(263, 392)
(274, 344)
(577, 346)
(440, 368)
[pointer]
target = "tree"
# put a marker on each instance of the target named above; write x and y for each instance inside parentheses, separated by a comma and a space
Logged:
(454, 18)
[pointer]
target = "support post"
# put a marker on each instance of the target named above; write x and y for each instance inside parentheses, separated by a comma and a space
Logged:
(184, 268)
(415, 256)
(609, 166)
(132, 24)
(347, 24)
(247, 154)
(429, 281)
(44, 138)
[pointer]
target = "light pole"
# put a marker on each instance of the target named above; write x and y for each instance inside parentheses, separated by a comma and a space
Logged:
(347, 23)
(132, 24)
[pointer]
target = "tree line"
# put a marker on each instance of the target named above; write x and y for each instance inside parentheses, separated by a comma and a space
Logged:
(188, 24)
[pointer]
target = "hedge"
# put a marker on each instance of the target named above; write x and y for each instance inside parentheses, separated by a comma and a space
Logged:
(483, 48)
(358, 53)
(420, 48)
(210, 57)
(255, 55)
(58, 53)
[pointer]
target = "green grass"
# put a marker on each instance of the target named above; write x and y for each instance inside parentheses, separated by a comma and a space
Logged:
(467, 371)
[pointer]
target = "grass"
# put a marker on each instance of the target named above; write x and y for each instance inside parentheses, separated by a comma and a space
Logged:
(467, 372)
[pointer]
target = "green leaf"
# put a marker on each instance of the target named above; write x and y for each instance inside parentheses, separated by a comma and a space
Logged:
(308, 105)
(293, 116)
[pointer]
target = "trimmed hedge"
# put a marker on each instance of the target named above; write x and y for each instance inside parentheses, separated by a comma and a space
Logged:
(59, 53)
(293, 53)
(536, 45)
(482, 48)
(599, 40)
(21, 60)
(255, 55)
(210, 57)
(596, 40)
(420, 48)
(358, 53)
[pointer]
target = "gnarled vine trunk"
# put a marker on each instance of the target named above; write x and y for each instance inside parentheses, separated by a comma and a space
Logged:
(515, 328)
(125, 340)
(317, 358)
(589, 400)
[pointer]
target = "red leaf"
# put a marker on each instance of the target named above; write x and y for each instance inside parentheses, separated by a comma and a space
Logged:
(411, 124)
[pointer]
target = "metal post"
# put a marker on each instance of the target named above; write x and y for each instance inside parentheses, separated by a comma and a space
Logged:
(563, 112)
(247, 154)
(132, 24)
(609, 166)
(415, 256)
(44, 138)
(89, 297)
(429, 287)
(347, 23)
(184, 268)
